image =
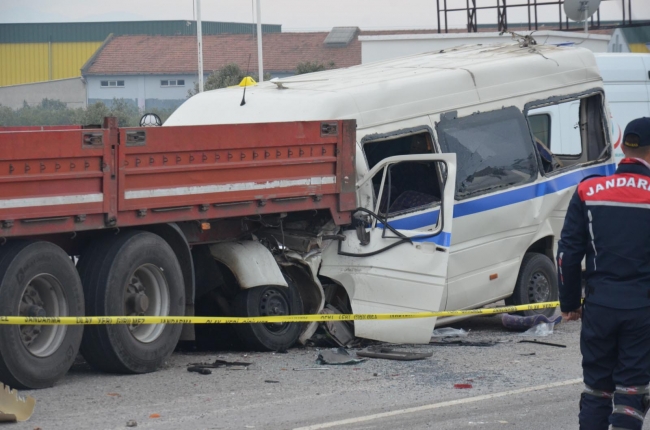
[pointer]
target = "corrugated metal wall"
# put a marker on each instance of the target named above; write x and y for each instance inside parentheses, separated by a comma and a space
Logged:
(40, 52)
(22, 63)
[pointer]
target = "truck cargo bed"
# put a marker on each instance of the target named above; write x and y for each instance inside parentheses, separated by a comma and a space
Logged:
(58, 181)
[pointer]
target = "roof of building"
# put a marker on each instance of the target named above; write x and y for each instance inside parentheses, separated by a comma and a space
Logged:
(130, 55)
(98, 31)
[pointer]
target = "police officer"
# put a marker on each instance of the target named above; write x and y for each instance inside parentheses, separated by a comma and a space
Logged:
(608, 222)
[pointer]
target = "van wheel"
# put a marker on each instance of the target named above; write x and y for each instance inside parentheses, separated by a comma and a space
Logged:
(38, 279)
(536, 283)
(133, 274)
(269, 300)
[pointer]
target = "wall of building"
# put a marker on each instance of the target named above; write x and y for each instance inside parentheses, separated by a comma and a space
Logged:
(145, 91)
(618, 42)
(378, 48)
(46, 51)
(36, 62)
(70, 91)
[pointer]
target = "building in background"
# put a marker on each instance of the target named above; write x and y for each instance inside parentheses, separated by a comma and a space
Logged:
(52, 51)
(158, 71)
(631, 39)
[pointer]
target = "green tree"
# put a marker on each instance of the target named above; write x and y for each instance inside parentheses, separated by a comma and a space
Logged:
(56, 112)
(311, 67)
(228, 76)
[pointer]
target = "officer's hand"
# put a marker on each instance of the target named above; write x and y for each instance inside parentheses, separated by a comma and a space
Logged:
(573, 315)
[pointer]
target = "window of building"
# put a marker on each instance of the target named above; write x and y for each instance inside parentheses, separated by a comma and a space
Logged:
(494, 150)
(172, 83)
(112, 84)
(410, 186)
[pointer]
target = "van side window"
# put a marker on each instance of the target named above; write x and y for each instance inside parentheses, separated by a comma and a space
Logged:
(540, 125)
(409, 186)
(572, 130)
(494, 150)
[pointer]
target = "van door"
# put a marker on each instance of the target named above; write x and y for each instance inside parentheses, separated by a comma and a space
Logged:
(388, 265)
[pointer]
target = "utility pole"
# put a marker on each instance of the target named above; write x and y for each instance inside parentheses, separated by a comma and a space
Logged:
(260, 62)
(199, 42)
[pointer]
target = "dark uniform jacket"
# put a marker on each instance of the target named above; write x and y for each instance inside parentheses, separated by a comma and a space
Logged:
(608, 220)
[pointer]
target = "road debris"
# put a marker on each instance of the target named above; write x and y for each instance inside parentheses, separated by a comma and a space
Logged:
(461, 343)
(154, 416)
(449, 332)
(392, 354)
(14, 407)
(543, 343)
(131, 423)
(199, 369)
(340, 332)
(337, 356)
(269, 381)
(204, 368)
(463, 386)
(542, 329)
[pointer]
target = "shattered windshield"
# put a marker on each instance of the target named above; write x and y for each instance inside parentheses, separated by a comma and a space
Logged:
(494, 150)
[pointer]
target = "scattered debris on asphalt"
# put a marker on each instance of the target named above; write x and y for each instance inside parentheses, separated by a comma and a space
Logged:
(337, 356)
(463, 386)
(14, 407)
(530, 353)
(543, 343)
(393, 354)
(204, 368)
(200, 370)
(269, 381)
(340, 331)
(461, 343)
(541, 329)
(154, 416)
(449, 332)
(131, 423)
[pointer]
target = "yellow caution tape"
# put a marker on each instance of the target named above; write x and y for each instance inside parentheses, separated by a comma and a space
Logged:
(6, 320)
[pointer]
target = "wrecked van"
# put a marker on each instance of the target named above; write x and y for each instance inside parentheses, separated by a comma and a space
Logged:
(461, 202)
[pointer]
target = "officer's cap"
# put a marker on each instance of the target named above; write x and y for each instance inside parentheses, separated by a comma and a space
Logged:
(637, 133)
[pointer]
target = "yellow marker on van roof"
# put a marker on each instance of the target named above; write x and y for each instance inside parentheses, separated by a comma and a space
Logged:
(247, 82)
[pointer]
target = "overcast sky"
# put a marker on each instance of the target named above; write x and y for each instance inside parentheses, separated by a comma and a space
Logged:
(302, 15)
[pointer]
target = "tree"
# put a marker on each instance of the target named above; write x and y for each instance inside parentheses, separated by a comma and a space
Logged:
(311, 67)
(228, 76)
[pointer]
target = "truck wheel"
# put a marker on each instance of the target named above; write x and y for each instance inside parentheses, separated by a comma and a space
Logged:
(133, 274)
(268, 300)
(536, 283)
(38, 279)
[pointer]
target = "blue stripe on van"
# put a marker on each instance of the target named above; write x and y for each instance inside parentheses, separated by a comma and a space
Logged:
(506, 198)
(530, 192)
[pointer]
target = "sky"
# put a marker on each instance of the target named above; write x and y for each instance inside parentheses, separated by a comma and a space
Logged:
(294, 15)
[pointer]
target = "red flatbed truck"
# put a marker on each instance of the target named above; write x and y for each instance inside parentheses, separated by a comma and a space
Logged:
(145, 221)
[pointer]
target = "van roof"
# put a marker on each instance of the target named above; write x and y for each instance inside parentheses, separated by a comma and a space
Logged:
(398, 89)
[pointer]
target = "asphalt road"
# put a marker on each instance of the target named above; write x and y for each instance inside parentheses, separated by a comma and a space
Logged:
(514, 385)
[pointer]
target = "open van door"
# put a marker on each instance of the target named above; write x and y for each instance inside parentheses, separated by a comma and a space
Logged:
(397, 262)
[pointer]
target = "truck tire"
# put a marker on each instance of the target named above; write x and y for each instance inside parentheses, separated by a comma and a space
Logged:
(38, 279)
(268, 300)
(536, 283)
(135, 273)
